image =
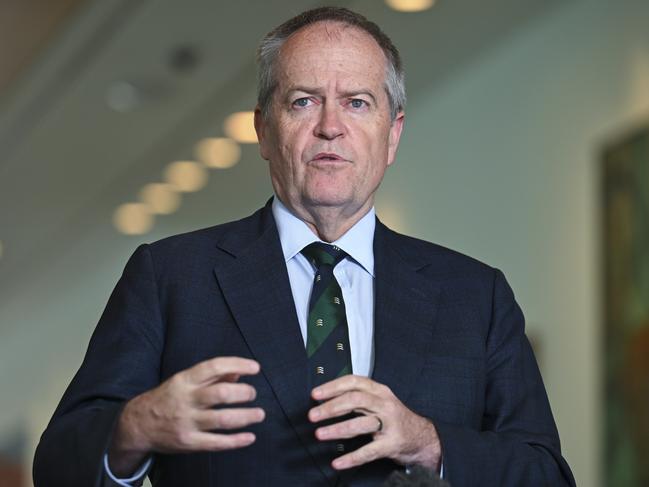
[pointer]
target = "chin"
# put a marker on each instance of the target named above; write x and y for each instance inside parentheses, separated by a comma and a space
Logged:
(331, 198)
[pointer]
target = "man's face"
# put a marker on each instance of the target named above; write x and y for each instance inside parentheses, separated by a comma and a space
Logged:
(329, 137)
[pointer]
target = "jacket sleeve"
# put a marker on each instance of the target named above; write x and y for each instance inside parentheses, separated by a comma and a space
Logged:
(517, 443)
(122, 361)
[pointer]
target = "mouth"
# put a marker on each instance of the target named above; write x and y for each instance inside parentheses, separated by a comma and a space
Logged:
(327, 157)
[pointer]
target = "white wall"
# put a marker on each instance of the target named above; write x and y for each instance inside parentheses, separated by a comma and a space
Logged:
(503, 163)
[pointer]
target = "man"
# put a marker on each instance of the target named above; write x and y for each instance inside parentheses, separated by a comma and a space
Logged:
(198, 371)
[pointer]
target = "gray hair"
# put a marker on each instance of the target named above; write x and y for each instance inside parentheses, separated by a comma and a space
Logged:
(270, 46)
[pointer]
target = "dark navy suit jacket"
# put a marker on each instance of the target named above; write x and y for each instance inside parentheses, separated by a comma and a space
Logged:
(448, 341)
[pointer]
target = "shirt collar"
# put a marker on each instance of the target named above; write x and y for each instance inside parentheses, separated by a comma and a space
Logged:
(294, 235)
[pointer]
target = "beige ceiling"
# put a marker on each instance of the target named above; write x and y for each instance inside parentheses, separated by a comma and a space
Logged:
(26, 28)
(67, 160)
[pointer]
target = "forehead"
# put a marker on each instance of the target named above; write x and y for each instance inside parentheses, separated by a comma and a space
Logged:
(325, 51)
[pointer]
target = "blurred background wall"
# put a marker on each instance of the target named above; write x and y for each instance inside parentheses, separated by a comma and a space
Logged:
(510, 105)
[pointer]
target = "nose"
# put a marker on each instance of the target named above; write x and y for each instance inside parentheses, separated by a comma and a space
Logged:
(329, 125)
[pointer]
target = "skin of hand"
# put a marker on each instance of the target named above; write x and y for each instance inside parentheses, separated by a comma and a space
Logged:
(178, 415)
(406, 438)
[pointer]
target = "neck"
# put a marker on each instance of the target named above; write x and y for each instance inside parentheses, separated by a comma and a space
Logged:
(330, 223)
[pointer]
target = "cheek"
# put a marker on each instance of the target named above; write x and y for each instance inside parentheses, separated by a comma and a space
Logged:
(286, 166)
(286, 149)
(376, 153)
(290, 149)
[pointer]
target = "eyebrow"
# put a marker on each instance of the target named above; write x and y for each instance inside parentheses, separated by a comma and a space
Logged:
(345, 94)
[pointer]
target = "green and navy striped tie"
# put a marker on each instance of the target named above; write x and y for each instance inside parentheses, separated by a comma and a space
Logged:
(327, 341)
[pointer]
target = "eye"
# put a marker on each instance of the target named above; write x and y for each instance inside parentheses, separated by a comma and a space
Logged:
(357, 103)
(301, 102)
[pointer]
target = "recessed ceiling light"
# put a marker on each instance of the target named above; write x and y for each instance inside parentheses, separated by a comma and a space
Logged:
(410, 5)
(161, 198)
(123, 96)
(186, 176)
(133, 219)
(218, 152)
(240, 126)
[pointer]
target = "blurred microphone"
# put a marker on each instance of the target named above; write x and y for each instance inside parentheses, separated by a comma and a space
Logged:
(418, 477)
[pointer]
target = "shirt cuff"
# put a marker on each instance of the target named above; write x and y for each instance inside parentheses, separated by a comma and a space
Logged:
(441, 470)
(139, 475)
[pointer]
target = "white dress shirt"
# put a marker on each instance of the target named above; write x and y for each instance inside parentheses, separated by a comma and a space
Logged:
(355, 275)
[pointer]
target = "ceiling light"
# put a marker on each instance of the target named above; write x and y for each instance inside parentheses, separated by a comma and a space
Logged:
(410, 5)
(161, 198)
(218, 152)
(123, 96)
(133, 219)
(186, 176)
(241, 127)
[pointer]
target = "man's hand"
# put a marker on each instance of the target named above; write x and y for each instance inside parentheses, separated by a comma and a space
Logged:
(177, 416)
(399, 434)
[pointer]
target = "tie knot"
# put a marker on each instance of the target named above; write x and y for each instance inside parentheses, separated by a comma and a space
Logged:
(320, 254)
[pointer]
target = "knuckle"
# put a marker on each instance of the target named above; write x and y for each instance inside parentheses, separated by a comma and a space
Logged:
(357, 457)
(220, 443)
(213, 443)
(383, 389)
(369, 424)
(357, 398)
(227, 418)
(357, 427)
(222, 418)
(230, 442)
(177, 380)
(219, 393)
(392, 407)
(202, 368)
(213, 366)
(183, 438)
(210, 420)
(370, 452)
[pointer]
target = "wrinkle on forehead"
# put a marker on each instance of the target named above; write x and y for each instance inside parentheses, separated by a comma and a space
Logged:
(334, 31)
(324, 31)
(331, 46)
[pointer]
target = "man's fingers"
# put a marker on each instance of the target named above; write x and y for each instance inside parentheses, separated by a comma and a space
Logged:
(368, 453)
(218, 368)
(345, 404)
(344, 384)
(230, 418)
(205, 441)
(230, 377)
(224, 393)
(351, 428)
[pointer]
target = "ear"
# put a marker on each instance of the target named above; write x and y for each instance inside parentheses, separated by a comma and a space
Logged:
(395, 136)
(261, 127)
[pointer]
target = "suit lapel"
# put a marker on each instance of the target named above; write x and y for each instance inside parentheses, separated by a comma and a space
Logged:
(253, 278)
(252, 275)
(404, 313)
